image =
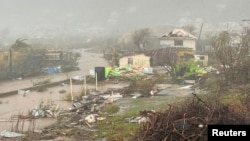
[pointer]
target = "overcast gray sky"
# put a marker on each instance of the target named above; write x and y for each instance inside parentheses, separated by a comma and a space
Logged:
(113, 16)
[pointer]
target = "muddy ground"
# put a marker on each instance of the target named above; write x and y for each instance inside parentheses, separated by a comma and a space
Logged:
(20, 104)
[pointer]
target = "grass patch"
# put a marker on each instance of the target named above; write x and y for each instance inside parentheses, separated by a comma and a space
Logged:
(111, 109)
(232, 98)
(237, 102)
(116, 128)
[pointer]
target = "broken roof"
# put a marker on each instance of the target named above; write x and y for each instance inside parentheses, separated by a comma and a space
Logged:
(178, 33)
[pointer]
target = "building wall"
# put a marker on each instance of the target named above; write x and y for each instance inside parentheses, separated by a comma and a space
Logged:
(139, 61)
(189, 43)
(202, 58)
(5, 57)
(186, 43)
(167, 43)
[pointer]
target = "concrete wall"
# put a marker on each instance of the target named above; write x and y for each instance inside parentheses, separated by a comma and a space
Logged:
(189, 43)
(167, 43)
(139, 61)
(186, 43)
(204, 61)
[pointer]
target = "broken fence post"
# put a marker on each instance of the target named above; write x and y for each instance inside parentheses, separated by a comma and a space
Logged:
(71, 93)
(96, 81)
(85, 85)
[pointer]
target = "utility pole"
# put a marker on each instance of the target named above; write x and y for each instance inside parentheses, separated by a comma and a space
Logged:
(198, 42)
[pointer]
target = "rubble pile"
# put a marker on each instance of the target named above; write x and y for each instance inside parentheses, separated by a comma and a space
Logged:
(82, 116)
(188, 122)
(49, 109)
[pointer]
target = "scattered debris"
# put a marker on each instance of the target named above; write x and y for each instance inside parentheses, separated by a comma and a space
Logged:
(136, 95)
(112, 97)
(9, 134)
(51, 70)
(41, 81)
(90, 118)
(22, 92)
(186, 87)
(78, 79)
(139, 119)
(148, 70)
(189, 81)
(48, 110)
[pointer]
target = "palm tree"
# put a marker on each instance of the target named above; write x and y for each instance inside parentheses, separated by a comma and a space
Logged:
(18, 45)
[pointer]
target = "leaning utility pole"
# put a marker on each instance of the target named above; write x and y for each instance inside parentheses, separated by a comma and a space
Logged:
(198, 42)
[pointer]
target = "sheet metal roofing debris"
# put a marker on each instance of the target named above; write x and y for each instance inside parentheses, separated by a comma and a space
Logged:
(148, 70)
(136, 95)
(113, 97)
(22, 92)
(186, 87)
(139, 119)
(9, 134)
(48, 110)
(78, 78)
(177, 32)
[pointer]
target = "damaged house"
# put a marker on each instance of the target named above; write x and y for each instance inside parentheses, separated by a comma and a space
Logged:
(136, 60)
(178, 38)
(57, 60)
(166, 56)
(182, 44)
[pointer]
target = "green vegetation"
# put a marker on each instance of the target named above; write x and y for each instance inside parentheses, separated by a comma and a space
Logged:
(111, 109)
(115, 127)
(188, 69)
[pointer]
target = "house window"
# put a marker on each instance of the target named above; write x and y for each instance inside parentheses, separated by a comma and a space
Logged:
(178, 42)
(5, 58)
(202, 58)
(130, 61)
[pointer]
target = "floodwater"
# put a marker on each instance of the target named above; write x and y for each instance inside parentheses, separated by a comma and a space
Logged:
(21, 104)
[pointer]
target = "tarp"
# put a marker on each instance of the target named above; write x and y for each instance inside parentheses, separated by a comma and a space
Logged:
(107, 71)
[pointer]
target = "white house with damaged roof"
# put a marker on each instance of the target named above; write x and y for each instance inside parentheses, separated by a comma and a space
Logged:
(178, 38)
(182, 40)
